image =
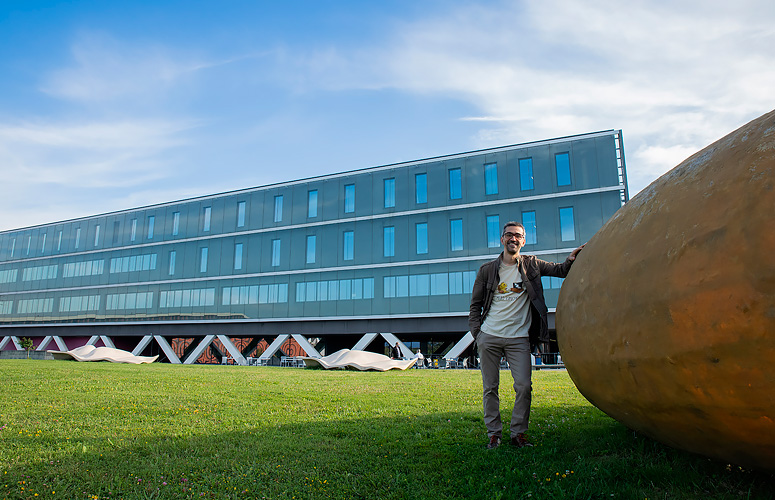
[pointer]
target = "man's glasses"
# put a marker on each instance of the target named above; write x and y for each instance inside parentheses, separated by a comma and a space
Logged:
(508, 236)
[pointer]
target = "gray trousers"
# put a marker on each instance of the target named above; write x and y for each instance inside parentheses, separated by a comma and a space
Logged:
(517, 353)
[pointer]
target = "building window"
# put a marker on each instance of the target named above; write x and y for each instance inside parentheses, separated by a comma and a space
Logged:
(238, 256)
(206, 215)
(278, 208)
(312, 203)
(173, 254)
(567, 226)
(241, 213)
(203, 260)
(456, 234)
(96, 235)
(275, 253)
(59, 242)
(421, 233)
(390, 193)
(13, 247)
(455, 184)
(77, 237)
(421, 188)
(389, 241)
(29, 242)
(175, 223)
(133, 236)
(43, 244)
(151, 220)
(493, 231)
(116, 231)
(311, 244)
(349, 198)
(491, 178)
(348, 244)
(529, 221)
(526, 174)
(562, 162)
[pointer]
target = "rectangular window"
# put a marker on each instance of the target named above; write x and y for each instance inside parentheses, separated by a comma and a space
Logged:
(312, 203)
(29, 242)
(311, 244)
(175, 223)
(238, 256)
(421, 188)
(278, 208)
(203, 260)
(13, 247)
(389, 241)
(348, 244)
(96, 235)
(567, 226)
(493, 231)
(151, 220)
(43, 244)
(491, 178)
(241, 213)
(59, 242)
(133, 236)
(173, 254)
(421, 232)
(390, 193)
(116, 232)
(456, 234)
(349, 198)
(206, 215)
(275, 253)
(526, 174)
(77, 237)
(455, 184)
(562, 162)
(529, 221)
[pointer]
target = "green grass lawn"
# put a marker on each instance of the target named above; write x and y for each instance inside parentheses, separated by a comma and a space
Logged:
(99, 430)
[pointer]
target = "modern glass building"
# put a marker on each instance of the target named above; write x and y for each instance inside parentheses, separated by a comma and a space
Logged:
(333, 261)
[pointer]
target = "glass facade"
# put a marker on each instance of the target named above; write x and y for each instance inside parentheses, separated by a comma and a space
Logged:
(287, 252)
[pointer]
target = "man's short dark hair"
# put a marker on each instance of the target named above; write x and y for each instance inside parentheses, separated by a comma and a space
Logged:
(512, 223)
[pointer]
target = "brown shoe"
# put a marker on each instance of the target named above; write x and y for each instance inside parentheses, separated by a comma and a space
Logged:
(520, 441)
(495, 441)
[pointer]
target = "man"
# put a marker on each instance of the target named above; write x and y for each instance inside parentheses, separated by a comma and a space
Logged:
(508, 317)
(396, 353)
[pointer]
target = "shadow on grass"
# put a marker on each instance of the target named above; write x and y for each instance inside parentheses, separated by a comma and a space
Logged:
(579, 453)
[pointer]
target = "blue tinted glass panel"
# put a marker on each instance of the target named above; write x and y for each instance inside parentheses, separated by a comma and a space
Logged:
(349, 198)
(275, 253)
(173, 254)
(562, 162)
(456, 234)
(421, 230)
(493, 231)
(133, 236)
(203, 260)
(278, 208)
(206, 214)
(238, 256)
(348, 245)
(455, 187)
(491, 178)
(529, 221)
(526, 174)
(390, 193)
(241, 214)
(567, 226)
(175, 223)
(388, 237)
(312, 203)
(151, 220)
(421, 188)
(311, 244)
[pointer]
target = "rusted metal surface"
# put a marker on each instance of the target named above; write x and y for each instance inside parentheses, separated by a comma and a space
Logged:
(666, 321)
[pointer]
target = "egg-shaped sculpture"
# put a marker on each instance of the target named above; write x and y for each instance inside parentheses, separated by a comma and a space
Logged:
(666, 321)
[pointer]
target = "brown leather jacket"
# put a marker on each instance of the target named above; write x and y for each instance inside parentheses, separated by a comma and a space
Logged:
(532, 269)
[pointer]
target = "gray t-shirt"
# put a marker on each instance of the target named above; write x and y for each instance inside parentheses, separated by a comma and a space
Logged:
(509, 314)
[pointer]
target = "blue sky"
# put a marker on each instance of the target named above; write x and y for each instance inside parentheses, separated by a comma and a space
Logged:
(112, 105)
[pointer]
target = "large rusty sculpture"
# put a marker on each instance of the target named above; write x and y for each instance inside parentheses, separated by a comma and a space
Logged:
(666, 321)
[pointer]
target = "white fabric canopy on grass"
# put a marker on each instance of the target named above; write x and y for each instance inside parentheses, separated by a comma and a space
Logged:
(91, 353)
(362, 360)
